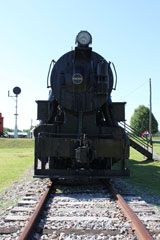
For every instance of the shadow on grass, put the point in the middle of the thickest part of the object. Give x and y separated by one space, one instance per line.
146 175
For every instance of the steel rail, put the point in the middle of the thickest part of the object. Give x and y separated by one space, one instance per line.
29 229
140 230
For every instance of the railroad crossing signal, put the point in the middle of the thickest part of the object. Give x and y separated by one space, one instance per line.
16 91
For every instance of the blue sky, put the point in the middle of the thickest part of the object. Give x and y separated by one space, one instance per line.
35 32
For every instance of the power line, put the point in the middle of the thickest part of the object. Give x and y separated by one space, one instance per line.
135 90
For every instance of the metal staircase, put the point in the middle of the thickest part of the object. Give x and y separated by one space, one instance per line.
141 144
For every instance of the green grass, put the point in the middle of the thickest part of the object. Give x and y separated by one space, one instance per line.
16 143
156 145
145 174
156 138
156 148
16 156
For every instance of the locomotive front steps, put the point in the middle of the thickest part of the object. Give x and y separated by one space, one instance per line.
141 144
140 148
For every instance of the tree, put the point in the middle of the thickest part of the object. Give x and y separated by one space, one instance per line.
27 131
140 120
6 130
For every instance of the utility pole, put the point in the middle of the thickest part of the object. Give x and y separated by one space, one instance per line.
150 109
31 123
150 114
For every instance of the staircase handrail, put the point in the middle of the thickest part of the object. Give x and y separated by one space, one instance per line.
134 134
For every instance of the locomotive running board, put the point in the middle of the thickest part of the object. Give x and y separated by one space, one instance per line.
78 173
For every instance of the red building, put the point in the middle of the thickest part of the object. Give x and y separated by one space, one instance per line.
1 124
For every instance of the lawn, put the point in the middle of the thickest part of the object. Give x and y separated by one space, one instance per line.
145 174
16 156
156 148
156 139
156 145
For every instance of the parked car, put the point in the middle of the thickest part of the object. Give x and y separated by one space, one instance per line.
145 134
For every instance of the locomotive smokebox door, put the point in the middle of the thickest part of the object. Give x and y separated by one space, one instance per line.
43 110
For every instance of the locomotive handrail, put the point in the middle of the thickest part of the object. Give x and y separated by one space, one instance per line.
52 62
115 85
134 134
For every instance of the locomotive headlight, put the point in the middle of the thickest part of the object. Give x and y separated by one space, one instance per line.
84 38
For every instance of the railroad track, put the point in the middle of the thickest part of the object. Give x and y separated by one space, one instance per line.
86 211
14 218
80 212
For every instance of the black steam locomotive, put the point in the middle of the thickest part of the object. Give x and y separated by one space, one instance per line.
78 134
